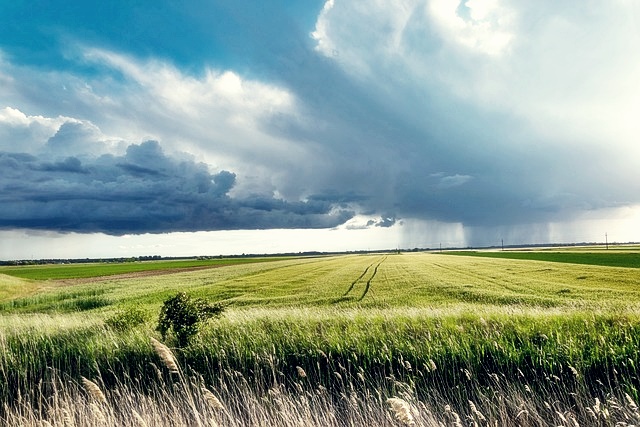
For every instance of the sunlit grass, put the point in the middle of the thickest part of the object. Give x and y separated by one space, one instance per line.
408 280
84 270
547 364
12 287
622 256
436 330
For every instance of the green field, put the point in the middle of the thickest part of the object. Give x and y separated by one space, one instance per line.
628 257
547 337
85 270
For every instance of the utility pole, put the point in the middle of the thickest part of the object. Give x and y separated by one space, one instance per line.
502 243
606 241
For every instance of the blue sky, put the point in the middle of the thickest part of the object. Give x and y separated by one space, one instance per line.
136 128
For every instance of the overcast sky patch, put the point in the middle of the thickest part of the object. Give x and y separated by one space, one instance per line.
481 116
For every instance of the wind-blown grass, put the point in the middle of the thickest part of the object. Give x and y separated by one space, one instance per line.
502 339
412 280
271 394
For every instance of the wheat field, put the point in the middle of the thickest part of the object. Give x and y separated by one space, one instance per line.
377 340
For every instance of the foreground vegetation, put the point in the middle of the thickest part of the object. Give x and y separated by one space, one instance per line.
176 394
328 341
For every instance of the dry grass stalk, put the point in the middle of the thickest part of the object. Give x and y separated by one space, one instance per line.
402 410
93 389
631 402
138 419
452 416
211 399
476 412
572 419
523 413
165 355
66 418
97 413
574 371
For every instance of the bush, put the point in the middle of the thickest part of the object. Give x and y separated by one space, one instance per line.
127 318
184 315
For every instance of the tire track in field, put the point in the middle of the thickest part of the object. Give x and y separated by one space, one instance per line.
375 271
358 279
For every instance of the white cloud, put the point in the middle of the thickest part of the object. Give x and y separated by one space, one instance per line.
528 98
57 137
27 134
487 30
225 91
568 72
374 27
219 116
321 33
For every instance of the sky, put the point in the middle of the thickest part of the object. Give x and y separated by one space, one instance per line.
223 127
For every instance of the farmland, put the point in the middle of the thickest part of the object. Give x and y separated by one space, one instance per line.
628 256
85 270
450 336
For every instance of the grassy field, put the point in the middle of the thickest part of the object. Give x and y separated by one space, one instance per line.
617 256
85 270
326 341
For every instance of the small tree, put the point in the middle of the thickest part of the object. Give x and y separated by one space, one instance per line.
183 315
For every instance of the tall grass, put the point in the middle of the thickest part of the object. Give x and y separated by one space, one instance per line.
327 367
236 399
436 340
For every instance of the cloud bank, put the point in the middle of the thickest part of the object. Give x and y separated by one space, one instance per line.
143 190
520 112
490 116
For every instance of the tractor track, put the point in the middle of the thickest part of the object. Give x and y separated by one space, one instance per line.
358 279
375 264
368 286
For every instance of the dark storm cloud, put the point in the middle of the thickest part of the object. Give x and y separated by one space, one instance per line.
432 115
143 191
484 114
70 164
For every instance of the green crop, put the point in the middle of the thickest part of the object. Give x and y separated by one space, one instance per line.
78 271
458 328
613 258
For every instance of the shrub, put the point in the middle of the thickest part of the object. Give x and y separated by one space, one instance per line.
184 315
127 318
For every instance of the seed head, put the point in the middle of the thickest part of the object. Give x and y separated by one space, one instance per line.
165 355
301 372
211 398
93 389
402 410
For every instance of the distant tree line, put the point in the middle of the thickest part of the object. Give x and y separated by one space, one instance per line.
80 260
